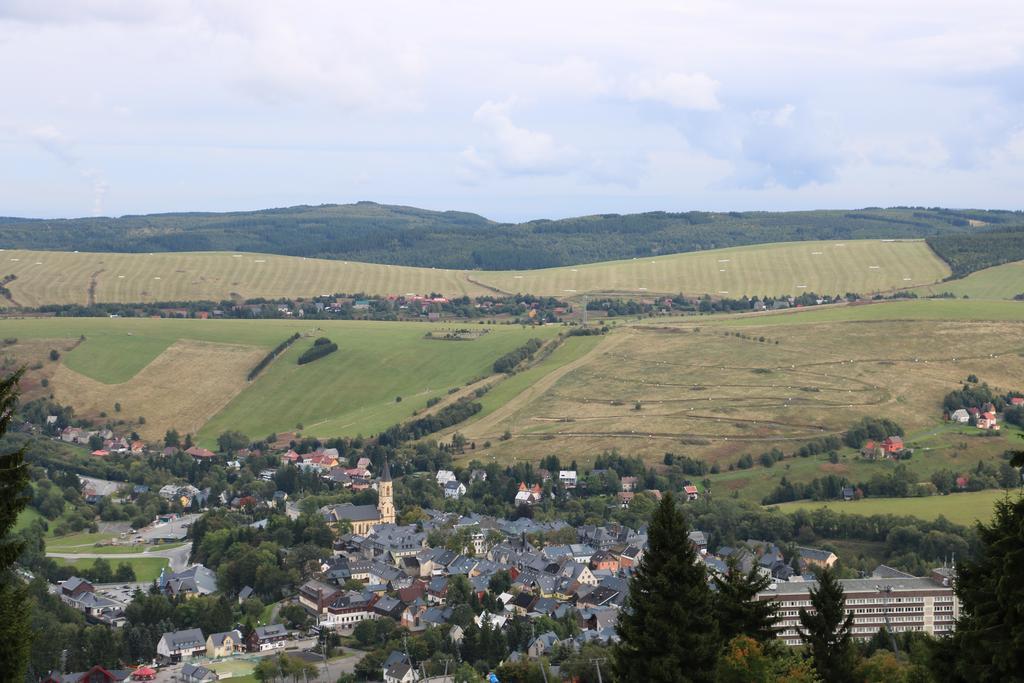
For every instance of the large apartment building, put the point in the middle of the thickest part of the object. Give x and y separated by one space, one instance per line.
911 603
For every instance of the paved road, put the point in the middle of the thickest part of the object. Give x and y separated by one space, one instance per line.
178 557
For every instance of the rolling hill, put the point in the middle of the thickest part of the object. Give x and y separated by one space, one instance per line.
863 266
398 235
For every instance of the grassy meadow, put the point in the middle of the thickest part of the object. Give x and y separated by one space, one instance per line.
960 508
864 266
191 374
146 568
1000 282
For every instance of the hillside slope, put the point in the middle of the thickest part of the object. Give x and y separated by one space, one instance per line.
863 266
398 235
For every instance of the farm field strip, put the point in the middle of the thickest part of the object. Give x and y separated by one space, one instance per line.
782 268
863 266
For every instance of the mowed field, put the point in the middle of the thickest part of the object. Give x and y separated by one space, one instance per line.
191 374
55 277
863 266
961 508
695 388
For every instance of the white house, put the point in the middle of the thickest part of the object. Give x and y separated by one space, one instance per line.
444 476
454 489
960 415
177 644
567 478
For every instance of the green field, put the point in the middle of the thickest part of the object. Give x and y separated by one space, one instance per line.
1000 282
146 568
921 309
863 266
961 508
179 373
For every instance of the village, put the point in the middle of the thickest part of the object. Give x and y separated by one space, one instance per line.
567 586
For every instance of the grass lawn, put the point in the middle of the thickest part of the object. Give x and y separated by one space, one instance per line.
235 667
146 568
25 518
80 542
961 508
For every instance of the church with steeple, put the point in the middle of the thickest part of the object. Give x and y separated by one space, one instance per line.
386 496
363 518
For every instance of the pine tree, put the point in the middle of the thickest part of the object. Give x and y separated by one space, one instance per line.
988 644
668 627
826 630
15 634
738 610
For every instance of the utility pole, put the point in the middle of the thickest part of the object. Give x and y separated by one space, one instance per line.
597 664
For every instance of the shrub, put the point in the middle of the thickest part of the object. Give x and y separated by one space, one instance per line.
320 348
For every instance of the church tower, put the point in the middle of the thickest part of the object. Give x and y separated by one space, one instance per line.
385 496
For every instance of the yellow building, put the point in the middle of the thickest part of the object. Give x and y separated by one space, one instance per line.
363 518
224 644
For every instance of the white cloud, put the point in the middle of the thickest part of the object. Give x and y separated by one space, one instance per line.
680 90
225 104
510 149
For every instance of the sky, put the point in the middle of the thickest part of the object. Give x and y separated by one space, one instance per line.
515 110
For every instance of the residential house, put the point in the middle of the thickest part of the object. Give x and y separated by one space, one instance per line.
400 672
196 580
629 483
444 476
987 420
454 490
177 644
263 638
960 415
528 496
817 557
192 673
224 644
691 492
200 454
567 478
542 644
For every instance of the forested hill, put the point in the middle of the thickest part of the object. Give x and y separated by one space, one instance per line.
401 235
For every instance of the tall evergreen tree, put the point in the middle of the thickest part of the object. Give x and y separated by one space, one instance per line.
827 630
668 627
738 610
15 634
988 644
